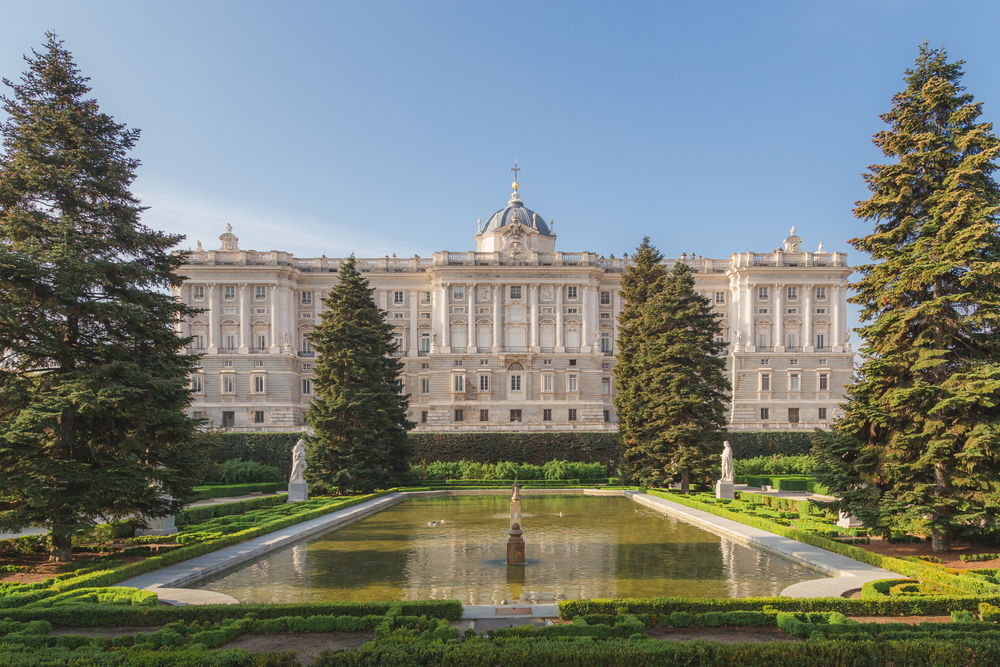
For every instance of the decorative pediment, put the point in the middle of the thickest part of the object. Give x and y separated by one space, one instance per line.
424 325
763 323
459 322
260 323
547 321
792 322
821 322
305 326
573 321
606 327
484 321
229 323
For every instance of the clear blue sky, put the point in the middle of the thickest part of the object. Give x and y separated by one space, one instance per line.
376 128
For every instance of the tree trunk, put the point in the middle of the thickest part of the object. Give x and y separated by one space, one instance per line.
940 541
685 481
62 545
940 538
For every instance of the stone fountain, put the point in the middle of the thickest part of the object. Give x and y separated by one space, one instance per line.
515 543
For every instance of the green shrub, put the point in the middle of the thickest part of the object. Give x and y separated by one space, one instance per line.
237 471
223 491
774 465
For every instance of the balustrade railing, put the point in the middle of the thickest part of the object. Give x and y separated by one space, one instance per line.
307 353
515 349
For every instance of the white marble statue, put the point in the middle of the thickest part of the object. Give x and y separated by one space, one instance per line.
739 336
727 462
286 338
298 461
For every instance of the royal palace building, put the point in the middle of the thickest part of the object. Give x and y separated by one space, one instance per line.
514 335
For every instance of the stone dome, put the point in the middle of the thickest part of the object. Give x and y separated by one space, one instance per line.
525 216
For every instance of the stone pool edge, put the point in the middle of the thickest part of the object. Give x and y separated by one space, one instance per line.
848 574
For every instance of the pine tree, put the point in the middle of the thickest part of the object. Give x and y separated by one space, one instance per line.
919 445
642 281
93 386
682 411
359 417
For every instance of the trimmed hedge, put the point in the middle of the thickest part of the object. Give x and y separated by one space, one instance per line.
63 655
225 490
273 449
112 616
535 448
526 652
206 512
751 444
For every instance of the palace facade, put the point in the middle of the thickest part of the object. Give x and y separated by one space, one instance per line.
514 335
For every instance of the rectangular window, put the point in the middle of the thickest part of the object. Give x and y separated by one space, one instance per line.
572 362
459 383
425 316
307 298
458 362
607 416
397 340
572 311
793 382
228 419
605 342
425 298
822 414
258 417
484 415
605 385
196 383
515 415
765 414
425 385
793 415
459 292
484 383
764 362
423 416
398 316
425 342
515 383
397 298
229 292
227 364
307 386
821 311
228 384
605 316
546 415
572 383
824 382
822 362
791 311
261 341
258 384
820 293
793 293
762 294
605 366
765 382
484 362
605 298
260 293
820 341
196 414
762 311
459 415
515 291
572 415
571 292
258 364
793 362
720 297
306 345
199 292
547 383
305 367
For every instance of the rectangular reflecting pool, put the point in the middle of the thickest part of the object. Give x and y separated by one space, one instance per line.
455 548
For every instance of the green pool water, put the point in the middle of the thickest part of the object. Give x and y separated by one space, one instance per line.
600 547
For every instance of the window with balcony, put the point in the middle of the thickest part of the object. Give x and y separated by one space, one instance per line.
229 292
793 293
820 293
307 298
260 292
459 292
762 294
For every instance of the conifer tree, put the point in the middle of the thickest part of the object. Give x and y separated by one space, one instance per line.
641 281
682 409
93 385
919 444
359 416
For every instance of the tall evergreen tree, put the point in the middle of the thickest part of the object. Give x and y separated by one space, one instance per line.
641 282
919 444
359 416
93 384
682 409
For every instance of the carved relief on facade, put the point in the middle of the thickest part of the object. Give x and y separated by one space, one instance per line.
546 292
484 293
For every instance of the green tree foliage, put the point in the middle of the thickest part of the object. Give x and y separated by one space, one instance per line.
642 281
680 412
359 416
920 439
93 386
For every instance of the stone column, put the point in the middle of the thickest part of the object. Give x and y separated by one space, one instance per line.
779 320
446 332
213 319
292 318
275 324
438 310
414 334
748 314
593 294
807 320
560 348
584 313
470 334
834 297
533 305
497 316
244 319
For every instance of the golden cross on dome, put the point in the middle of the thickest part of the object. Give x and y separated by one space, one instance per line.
515 169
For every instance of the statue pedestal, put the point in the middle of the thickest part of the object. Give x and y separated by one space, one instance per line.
725 490
298 492
847 521
515 546
161 526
